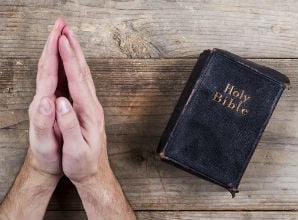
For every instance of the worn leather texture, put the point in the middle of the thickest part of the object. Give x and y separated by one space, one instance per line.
220 117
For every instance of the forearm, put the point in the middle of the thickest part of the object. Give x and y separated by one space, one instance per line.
29 196
103 198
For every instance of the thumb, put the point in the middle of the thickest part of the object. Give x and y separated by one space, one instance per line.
68 122
42 117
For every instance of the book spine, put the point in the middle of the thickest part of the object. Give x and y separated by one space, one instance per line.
194 76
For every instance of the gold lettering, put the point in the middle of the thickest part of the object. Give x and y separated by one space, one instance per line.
231 104
236 94
241 95
244 111
217 97
234 104
238 107
229 89
224 101
246 97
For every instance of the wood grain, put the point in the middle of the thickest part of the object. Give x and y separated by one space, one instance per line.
154 29
138 96
183 215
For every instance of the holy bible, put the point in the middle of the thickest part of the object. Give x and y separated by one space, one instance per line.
220 117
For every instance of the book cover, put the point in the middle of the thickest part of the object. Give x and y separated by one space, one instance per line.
220 117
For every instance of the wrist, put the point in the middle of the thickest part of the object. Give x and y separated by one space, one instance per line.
97 181
103 192
30 192
40 176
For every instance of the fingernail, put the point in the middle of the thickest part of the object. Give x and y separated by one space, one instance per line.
63 107
45 106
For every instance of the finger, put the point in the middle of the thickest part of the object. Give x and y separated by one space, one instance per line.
68 123
74 43
47 74
77 83
42 117
57 28
42 136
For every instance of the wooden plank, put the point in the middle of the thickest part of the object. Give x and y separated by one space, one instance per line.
154 29
184 215
138 97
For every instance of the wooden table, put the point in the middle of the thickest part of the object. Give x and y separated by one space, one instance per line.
140 54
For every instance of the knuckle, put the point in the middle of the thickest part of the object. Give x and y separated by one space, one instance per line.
83 78
99 119
86 68
84 74
71 58
80 79
99 109
30 109
42 123
41 126
69 125
41 63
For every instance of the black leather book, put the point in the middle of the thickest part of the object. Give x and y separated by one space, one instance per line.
220 117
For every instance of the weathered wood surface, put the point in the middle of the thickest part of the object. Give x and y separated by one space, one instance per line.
183 215
158 29
138 96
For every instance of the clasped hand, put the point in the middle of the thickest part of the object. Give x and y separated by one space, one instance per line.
64 138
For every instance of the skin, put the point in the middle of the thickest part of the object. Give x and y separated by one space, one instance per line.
65 139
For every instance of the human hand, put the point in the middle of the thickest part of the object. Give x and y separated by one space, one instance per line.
85 160
44 153
81 125
83 157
